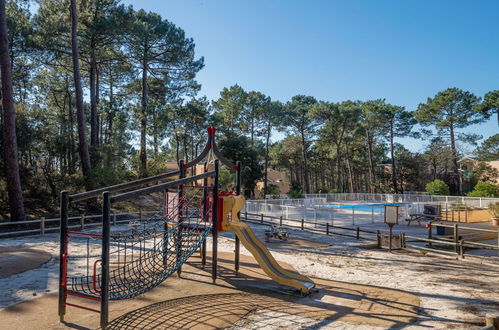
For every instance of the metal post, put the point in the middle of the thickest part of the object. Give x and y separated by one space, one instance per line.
358 233
261 219
327 229
82 222
215 224
42 226
205 211
237 242
302 223
280 221
63 251
180 206
378 238
106 229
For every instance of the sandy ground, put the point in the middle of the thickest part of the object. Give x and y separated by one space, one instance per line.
452 294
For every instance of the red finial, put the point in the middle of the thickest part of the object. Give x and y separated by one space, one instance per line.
211 130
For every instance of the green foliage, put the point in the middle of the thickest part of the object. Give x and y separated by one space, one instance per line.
437 187
294 193
237 148
272 190
484 189
494 210
489 149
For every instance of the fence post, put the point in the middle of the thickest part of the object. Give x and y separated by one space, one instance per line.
372 214
280 221
498 242
430 234
261 219
82 221
461 248
327 229
114 218
456 238
302 223
358 233
42 225
378 238
353 216
246 215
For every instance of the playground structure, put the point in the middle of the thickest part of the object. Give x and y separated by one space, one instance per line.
139 257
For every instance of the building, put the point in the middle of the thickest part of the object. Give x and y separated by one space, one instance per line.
487 170
275 178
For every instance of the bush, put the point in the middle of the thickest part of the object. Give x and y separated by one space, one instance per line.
295 193
484 189
494 210
437 187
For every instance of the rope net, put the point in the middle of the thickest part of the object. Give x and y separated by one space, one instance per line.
146 252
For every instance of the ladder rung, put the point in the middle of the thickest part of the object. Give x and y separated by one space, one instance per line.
83 307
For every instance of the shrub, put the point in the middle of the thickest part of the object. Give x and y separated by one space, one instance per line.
484 189
437 187
295 193
494 210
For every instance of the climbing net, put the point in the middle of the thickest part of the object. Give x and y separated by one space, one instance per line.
146 252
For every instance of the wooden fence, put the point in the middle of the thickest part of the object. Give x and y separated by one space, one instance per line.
48 225
457 242
315 227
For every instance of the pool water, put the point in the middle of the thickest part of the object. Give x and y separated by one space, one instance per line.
376 208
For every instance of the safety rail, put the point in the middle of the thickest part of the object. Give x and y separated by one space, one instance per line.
122 186
306 226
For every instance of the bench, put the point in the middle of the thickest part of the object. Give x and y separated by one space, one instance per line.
422 217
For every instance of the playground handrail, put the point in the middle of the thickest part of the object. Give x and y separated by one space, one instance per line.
160 187
121 186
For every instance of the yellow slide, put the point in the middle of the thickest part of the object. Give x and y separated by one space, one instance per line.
234 204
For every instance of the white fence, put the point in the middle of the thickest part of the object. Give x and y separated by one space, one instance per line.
309 211
473 202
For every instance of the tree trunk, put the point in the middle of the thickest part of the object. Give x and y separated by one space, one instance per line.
143 119
305 163
14 190
349 168
94 127
454 156
338 166
371 176
110 114
392 154
266 165
80 111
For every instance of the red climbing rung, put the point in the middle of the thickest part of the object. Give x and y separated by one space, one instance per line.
83 307
82 295
84 234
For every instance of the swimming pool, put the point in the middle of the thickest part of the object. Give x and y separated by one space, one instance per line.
376 208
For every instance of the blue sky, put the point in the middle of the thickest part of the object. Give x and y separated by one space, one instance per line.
404 51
